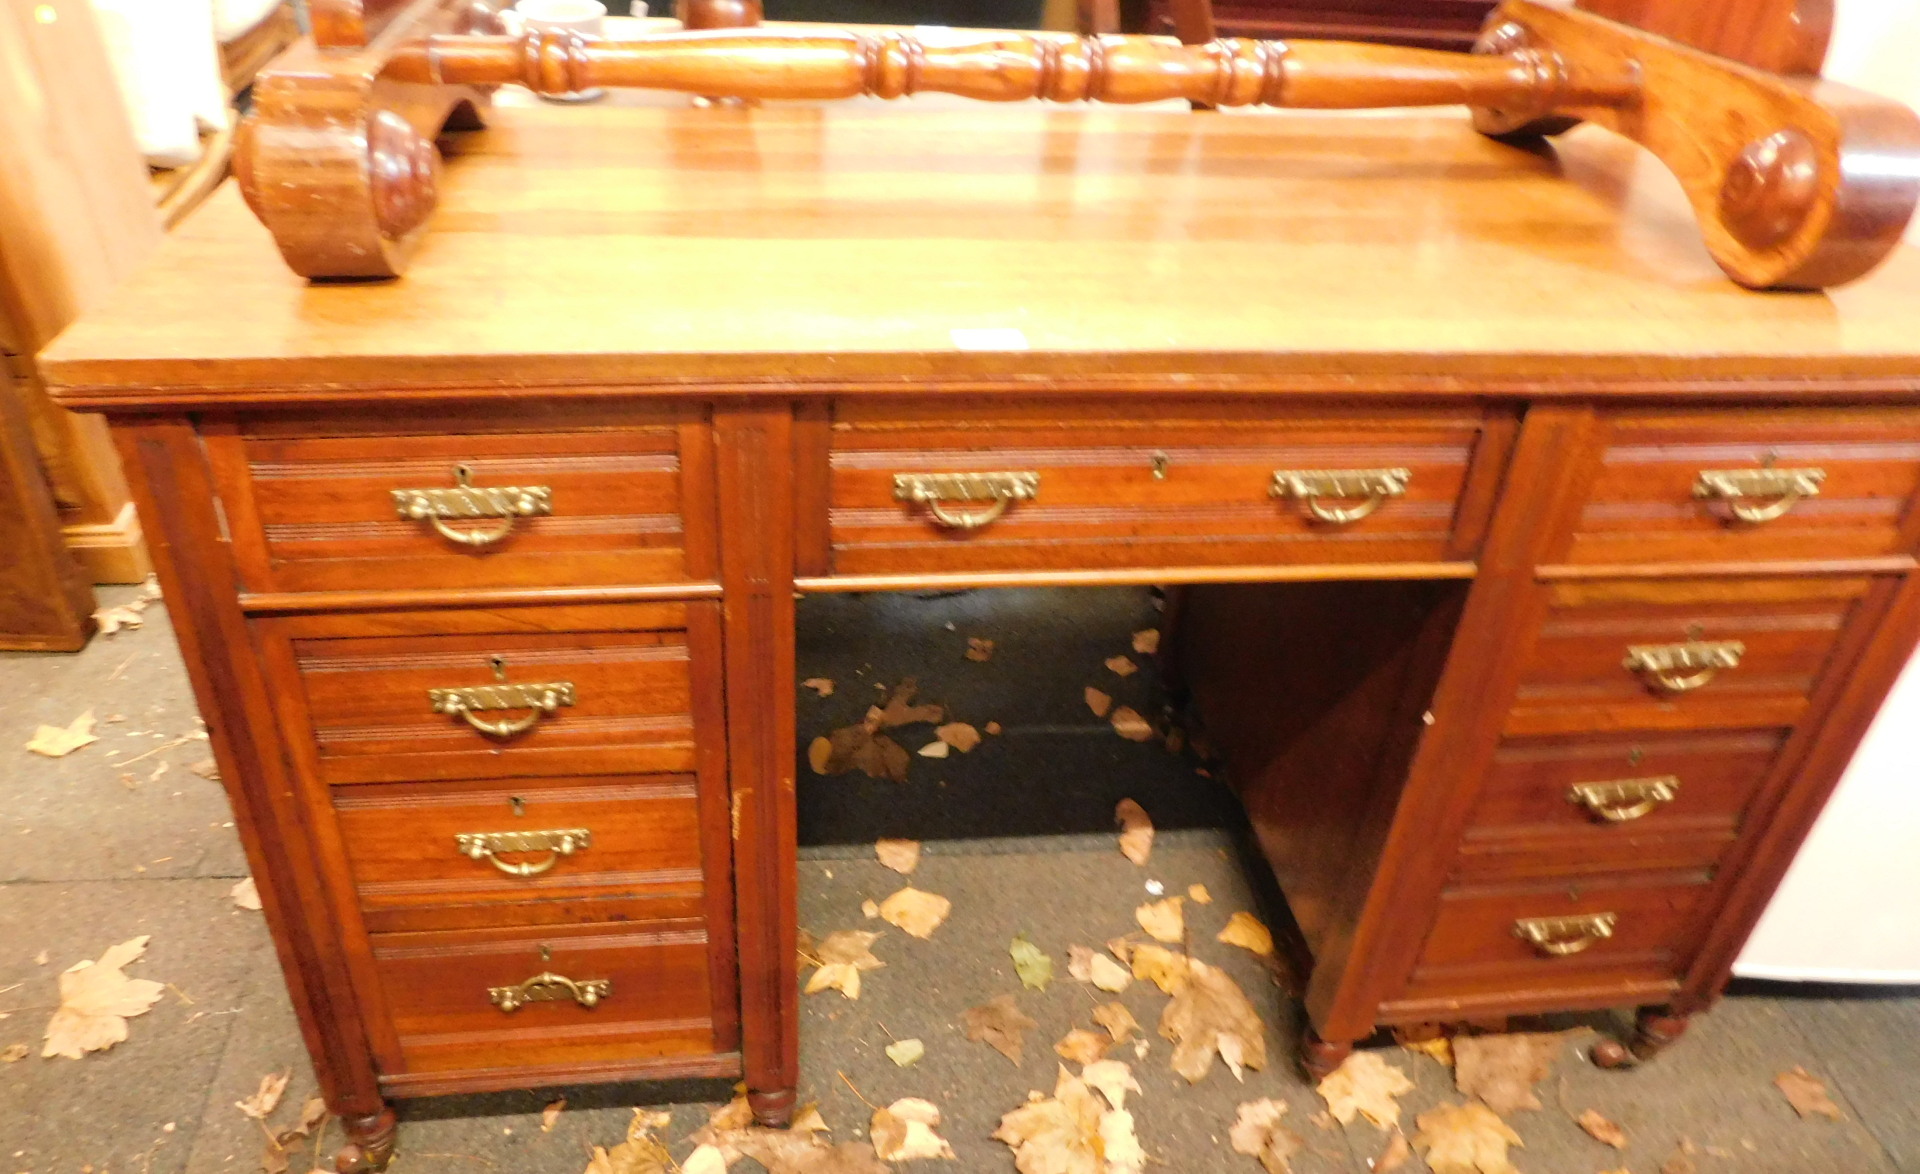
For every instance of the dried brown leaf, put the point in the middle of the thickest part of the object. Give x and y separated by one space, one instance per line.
1210 1014
550 1116
1130 725
901 711
1601 1129
1118 1021
1439 1047
1032 964
266 1098
1465 1139
246 894
1199 895
842 956
1394 1156
999 1024
1080 963
14 1053
1163 919
821 686
1081 1046
978 649
1113 1078
1058 1134
1098 702
1136 831
819 754
60 741
919 913
1121 666
97 999
126 615
1365 1085
1248 932
1164 968
859 748
1256 1131
1147 641
904 1131
1109 975
959 735
903 856
1807 1094
207 769
1679 1162
935 750
904 1052
1501 1069
706 1159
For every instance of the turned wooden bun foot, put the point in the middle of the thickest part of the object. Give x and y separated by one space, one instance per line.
1654 1030
772 1108
1318 1057
369 1143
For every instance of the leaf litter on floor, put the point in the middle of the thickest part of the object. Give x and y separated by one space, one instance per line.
1033 966
267 1097
905 1131
917 912
902 856
1001 1025
841 957
1807 1094
1501 1069
1136 831
60 741
1074 1131
1248 932
1163 920
1082 1046
96 1000
1465 1139
1210 1015
1257 1132
1365 1085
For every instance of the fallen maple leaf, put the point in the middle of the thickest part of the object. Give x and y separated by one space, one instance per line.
900 710
1113 1078
905 1052
1118 1145
903 856
1098 702
1164 968
1058 1134
58 742
1130 725
637 1155
904 1131
959 735
1109 975
1030 963
1365 1084
1807 1094
1198 895
978 649
919 913
842 956
1082 1046
1080 963
550 1116
112 619
1256 1131
1136 831
1394 1156
1118 1021
999 1024
820 685
1248 932
1601 1129
97 999
859 747
246 894
706 1159
1465 1139
1121 666
1163 919
267 1098
1210 1014
1439 1047
1501 1069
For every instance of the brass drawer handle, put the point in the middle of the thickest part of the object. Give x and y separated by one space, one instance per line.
548 987
1777 490
1560 936
488 846
1677 668
1370 486
938 492
1623 800
467 500
470 700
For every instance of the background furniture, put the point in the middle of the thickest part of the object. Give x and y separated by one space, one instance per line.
661 481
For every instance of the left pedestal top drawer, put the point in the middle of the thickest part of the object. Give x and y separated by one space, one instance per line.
315 505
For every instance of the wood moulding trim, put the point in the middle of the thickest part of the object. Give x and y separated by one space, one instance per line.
110 552
301 602
1131 576
266 382
722 1065
1889 565
1601 996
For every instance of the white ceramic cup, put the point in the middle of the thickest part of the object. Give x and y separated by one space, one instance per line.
586 17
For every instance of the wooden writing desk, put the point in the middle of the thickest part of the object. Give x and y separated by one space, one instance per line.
701 345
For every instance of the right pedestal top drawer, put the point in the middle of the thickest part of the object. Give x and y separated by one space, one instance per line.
1747 485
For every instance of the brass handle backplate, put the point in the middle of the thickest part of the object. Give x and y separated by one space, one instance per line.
1560 936
1677 668
1758 495
469 701
1313 488
467 500
489 846
1624 800
965 501
548 987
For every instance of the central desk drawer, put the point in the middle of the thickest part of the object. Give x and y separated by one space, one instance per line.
1680 653
935 489
341 506
538 691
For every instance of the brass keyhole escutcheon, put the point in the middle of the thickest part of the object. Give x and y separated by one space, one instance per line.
518 804
1159 466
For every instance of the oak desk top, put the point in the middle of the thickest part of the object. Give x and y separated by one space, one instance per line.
668 246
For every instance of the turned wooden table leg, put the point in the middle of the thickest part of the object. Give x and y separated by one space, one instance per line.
369 1143
1319 1057
1654 1030
772 1108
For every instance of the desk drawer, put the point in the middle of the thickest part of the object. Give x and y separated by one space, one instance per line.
1769 638
648 984
538 691
1642 928
1583 804
1658 491
522 851
379 507
1193 485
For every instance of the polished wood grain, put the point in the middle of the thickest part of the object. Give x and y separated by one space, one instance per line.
45 602
1429 24
1785 36
1189 486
